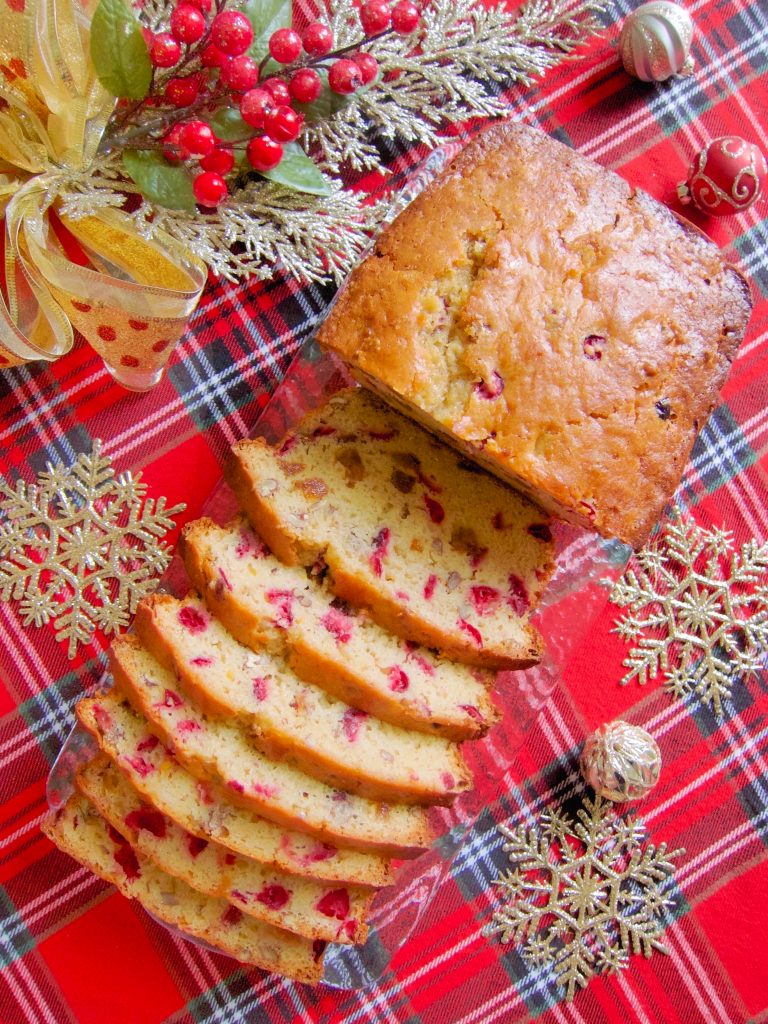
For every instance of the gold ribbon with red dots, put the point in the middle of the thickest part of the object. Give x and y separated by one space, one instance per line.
129 296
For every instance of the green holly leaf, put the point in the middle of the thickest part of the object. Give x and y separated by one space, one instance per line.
298 172
119 53
229 125
326 104
266 16
329 102
166 184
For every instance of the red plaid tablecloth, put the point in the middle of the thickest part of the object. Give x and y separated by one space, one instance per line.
71 949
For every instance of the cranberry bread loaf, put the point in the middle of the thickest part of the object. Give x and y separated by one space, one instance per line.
266 604
299 905
78 830
292 720
439 551
206 811
573 347
214 749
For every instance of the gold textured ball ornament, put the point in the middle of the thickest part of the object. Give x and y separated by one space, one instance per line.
621 762
655 41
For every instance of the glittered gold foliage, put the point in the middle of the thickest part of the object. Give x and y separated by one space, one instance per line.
584 894
697 611
81 547
64 149
452 68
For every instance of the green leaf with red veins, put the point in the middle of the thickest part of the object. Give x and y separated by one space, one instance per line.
298 172
118 50
266 16
157 180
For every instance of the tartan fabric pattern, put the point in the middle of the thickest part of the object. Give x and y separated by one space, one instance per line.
72 950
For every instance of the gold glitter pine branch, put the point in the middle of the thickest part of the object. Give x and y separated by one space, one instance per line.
450 69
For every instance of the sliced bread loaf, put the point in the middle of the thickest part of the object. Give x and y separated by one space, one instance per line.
212 748
205 809
290 719
438 550
78 830
301 905
267 604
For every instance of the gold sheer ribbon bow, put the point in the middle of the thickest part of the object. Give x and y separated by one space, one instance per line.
132 301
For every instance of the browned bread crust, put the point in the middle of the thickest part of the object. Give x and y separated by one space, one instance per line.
562 328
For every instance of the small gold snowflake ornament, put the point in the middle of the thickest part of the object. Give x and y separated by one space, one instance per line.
698 611
81 547
582 895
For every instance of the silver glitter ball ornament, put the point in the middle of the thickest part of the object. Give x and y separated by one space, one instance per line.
621 762
655 41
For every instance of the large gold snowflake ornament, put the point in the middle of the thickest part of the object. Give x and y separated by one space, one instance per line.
698 611
81 547
582 895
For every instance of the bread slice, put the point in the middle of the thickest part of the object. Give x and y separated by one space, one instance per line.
214 749
267 604
78 830
206 811
574 345
439 551
301 905
292 720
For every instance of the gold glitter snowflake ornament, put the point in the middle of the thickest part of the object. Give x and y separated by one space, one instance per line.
582 895
698 611
81 547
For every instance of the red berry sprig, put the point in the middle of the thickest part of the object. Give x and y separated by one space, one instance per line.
182 92
187 24
203 64
165 51
405 17
239 73
317 39
367 65
209 188
232 33
278 90
375 17
285 45
255 105
345 77
221 161
264 154
305 85
197 138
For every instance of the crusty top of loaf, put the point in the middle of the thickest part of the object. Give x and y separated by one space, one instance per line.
566 326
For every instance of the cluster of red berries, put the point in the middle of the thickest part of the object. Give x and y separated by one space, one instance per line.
220 44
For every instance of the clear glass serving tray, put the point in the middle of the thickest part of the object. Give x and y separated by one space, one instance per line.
571 602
